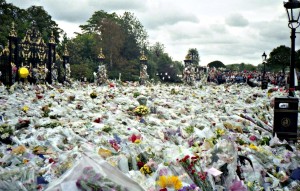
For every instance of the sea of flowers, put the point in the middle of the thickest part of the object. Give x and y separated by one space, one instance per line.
159 137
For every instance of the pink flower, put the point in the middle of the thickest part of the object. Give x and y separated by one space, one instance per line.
253 138
151 163
237 185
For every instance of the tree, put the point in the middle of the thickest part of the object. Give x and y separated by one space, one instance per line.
44 22
133 27
157 49
113 40
109 32
279 58
23 20
193 52
8 14
216 64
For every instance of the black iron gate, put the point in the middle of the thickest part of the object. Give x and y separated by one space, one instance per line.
30 52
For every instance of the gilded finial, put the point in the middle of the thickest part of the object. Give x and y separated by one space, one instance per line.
188 57
143 57
101 55
5 51
13 32
52 39
66 52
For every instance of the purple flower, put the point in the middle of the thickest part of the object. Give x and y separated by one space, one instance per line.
237 185
163 172
191 141
191 187
117 138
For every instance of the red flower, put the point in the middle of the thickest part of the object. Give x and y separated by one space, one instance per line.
111 85
134 137
202 175
140 164
114 145
98 120
51 160
39 96
163 189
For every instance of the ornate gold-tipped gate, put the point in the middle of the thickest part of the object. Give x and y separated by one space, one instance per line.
31 52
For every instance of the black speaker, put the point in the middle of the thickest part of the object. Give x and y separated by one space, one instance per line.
264 84
286 118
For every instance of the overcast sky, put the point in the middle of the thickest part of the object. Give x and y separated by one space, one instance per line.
231 31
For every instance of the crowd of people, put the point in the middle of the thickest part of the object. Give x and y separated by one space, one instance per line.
221 77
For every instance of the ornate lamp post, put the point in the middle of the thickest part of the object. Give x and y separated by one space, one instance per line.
51 57
187 60
264 82
101 75
143 70
293 11
286 109
65 61
188 73
13 54
101 57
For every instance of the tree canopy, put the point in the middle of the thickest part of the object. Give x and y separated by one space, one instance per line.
216 64
23 19
279 58
194 55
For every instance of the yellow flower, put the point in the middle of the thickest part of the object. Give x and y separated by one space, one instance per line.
19 150
146 169
169 181
141 110
249 184
252 146
104 153
137 141
162 181
25 108
220 131
25 161
176 182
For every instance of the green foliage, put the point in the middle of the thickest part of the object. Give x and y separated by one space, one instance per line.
279 57
243 66
107 128
216 64
82 70
193 52
23 20
136 94
190 129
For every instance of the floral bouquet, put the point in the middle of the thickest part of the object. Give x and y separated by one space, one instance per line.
192 165
93 95
22 123
168 182
92 181
141 110
71 98
5 132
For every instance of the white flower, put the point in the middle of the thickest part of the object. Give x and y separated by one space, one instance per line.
4 136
